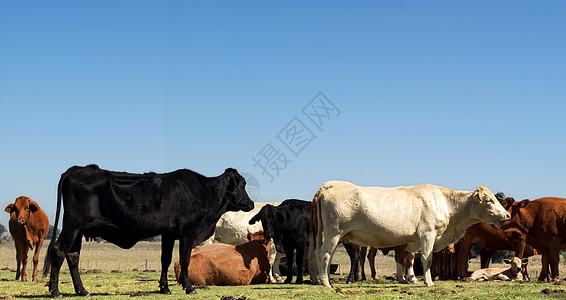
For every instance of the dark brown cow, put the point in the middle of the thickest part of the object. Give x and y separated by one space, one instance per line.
28 225
224 264
542 221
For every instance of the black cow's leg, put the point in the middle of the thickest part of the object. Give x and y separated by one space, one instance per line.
167 244
354 254
362 260
185 248
290 254
300 259
57 256
73 262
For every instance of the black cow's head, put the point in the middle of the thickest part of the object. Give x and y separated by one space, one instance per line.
236 195
268 217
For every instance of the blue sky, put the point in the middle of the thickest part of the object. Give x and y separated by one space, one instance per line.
455 94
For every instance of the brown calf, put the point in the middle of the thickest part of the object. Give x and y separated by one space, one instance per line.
28 225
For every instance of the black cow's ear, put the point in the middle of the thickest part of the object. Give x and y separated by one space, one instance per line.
231 170
33 206
254 219
9 208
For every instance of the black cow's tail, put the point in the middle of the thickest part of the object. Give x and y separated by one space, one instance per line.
47 263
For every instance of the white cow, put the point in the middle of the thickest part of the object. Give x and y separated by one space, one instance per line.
505 274
233 228
425 217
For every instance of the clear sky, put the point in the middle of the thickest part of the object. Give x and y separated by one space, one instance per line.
450 93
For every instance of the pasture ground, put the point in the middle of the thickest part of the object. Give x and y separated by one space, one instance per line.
109 272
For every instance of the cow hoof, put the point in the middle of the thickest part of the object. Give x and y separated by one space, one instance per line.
190 291
299 281
82 292
165 290
288 281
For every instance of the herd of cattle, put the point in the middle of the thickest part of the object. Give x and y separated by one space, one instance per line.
230 241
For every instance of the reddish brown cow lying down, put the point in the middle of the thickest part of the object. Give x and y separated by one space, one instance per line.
223 264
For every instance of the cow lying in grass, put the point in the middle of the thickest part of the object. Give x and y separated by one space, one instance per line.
233 228
223 264
513 273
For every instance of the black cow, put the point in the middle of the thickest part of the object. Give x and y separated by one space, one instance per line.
288 225
124 208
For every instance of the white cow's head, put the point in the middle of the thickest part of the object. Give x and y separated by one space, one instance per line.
487 208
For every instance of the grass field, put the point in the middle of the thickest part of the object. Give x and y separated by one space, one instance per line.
109 272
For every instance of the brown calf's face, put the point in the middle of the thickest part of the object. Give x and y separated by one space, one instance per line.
519 206
21 210
507 203
258 236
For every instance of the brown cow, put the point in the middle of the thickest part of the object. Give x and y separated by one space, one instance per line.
542 221
28 225
223 264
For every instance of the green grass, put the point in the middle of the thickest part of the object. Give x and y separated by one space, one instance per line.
107 284
124 285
